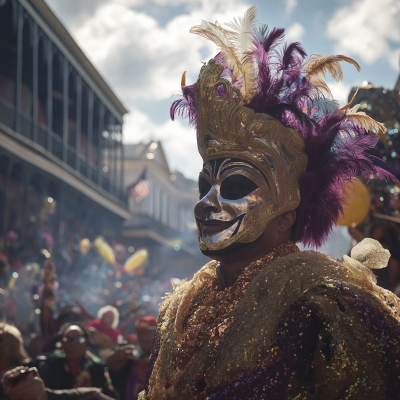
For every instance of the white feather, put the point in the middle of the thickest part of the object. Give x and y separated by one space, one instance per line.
242 30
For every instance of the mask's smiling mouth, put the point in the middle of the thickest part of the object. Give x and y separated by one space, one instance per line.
211 226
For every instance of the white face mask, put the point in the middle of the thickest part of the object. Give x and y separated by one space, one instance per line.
231 192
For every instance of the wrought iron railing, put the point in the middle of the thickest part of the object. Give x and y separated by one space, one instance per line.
41 135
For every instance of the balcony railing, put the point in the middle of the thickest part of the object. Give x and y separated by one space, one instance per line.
41 135
143 221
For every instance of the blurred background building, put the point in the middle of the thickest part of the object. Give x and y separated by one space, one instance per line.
61 152
161 204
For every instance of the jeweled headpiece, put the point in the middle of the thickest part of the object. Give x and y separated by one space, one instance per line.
273 109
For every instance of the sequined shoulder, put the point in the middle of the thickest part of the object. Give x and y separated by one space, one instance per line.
345 301
185 290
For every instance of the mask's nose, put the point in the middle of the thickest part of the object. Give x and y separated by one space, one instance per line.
208 204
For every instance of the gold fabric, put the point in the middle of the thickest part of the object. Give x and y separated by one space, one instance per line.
227 129
308 277
207 317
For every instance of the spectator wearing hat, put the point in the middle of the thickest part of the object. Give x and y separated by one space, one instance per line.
128 365
105 326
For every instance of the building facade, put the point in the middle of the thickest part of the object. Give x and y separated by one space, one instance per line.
162 222
60 134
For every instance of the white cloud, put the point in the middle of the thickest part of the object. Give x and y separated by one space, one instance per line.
340 91
290 5
178 140
140 58
295 31
365 29
144 61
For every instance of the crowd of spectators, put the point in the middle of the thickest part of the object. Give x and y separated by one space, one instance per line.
74 331
84 360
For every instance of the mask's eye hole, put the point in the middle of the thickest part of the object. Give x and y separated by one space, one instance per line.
204 187
235 187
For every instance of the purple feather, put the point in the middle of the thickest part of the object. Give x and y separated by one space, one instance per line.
273 39
184 106
289 58
336 154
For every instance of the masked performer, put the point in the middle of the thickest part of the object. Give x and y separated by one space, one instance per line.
264 320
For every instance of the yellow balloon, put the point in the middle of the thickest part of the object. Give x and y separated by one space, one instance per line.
136 260
11 283
358 205
104 250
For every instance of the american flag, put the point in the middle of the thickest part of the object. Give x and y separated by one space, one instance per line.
141 188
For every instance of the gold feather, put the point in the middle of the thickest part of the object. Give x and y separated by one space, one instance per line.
345 107
368 123
321 65
321 84
221 37
183 80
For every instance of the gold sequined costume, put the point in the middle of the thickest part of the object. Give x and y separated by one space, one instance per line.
307 327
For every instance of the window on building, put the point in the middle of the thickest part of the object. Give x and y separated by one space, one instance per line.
26 89
156 203
83 143
172 214
72 108
118 157
111 152
150 200
181 217
164 210
42 101
8 51
105 150
95 130
57 93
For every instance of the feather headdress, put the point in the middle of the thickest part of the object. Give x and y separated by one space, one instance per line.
290 87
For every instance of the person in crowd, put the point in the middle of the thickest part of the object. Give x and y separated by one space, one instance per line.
128 365
23 383
12 352
73 366
105 326
20 380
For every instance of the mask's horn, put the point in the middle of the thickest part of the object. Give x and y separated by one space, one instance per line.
183 80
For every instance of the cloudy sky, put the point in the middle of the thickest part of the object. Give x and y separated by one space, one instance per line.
142 47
